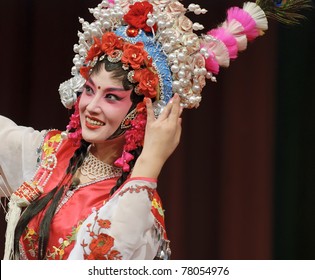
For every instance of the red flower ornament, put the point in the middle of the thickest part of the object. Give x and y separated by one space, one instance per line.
141 107
148 82
85 72
138 14
111 42
95 50
134 54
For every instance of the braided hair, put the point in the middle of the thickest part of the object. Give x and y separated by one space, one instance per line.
53 197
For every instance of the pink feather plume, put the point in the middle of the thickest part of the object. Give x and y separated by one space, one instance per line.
227 38
212 64
246 20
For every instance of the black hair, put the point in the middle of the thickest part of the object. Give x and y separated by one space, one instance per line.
52 199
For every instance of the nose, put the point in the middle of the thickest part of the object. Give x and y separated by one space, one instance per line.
93 106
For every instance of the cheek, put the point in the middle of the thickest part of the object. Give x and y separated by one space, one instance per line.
124 108
82 105
117 112
83 102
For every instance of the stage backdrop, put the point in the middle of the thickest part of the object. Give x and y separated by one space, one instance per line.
241 183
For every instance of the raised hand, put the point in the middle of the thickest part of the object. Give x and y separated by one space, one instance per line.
162 136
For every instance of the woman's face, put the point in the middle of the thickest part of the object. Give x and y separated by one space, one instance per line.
103 105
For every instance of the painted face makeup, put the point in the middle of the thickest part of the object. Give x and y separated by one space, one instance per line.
103 105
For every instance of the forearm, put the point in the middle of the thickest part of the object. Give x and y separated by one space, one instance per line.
18 155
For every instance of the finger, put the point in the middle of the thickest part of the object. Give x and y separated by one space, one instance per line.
178 131
176 109
150 113
179 126
181 110
166 111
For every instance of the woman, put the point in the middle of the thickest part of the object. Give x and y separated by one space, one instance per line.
93 193
103 106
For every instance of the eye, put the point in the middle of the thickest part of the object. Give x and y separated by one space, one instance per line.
112 97
88 90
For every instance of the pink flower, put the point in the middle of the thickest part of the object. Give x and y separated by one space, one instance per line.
124 160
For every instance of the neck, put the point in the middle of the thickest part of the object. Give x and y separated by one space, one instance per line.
110 150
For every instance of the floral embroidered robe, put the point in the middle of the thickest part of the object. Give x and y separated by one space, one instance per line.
88 224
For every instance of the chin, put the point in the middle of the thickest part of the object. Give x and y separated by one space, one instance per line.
92 138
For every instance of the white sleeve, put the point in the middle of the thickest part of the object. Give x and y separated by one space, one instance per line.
18 154
124 228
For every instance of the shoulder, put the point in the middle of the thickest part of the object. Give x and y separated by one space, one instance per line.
55 142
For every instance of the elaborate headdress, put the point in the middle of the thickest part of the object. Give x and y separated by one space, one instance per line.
155 37
159 46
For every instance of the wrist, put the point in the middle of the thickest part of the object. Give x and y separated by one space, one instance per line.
147 166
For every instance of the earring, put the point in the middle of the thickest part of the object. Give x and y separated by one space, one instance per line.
126 123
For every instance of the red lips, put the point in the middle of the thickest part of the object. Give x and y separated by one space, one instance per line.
93 126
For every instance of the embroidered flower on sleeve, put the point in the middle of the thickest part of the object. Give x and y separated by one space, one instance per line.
104 223
157 205
137 189
114 255
101 244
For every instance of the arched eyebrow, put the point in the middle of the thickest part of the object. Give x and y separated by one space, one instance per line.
114 89
111 89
